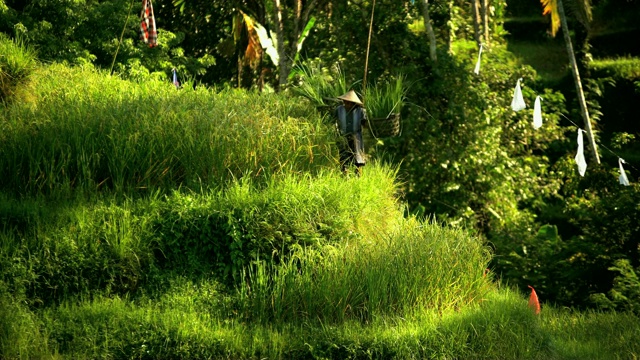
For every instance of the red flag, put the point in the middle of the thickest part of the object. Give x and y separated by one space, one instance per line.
533 301
148 32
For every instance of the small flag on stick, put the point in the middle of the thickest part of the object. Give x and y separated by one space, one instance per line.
623 176
517 103
537 114
580 160
477 69
175 78
534 304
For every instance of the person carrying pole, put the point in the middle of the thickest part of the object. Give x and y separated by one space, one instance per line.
350 117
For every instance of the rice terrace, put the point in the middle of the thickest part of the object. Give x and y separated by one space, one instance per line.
319 179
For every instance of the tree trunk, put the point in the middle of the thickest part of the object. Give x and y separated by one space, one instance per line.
449 30
576 77
429 29
287 52
485 20
283 74
475 11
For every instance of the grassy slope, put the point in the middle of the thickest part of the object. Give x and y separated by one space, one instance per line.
108 221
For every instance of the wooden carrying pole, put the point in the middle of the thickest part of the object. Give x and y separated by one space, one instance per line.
121 36
366 60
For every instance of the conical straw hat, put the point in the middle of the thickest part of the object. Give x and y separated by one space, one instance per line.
351 96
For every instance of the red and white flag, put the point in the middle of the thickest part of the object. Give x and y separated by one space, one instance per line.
148 32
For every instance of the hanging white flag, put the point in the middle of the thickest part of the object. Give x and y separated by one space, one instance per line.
582 163
537 114
477 69
517 103
623 176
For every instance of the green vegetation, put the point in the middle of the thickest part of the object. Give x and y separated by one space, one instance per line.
17 63
138 220
621 68
169 138
320 86
547 56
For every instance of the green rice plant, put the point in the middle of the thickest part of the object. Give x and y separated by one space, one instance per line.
591 334
418 267
21 335
223 231
386 98
89 132
17 63
617 68
76 248
321 86
184 322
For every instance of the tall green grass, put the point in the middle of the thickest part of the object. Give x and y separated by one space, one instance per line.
17 63
418 267
89 132
186 322
141 222
52 250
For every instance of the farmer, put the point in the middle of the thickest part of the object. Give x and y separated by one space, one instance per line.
350 117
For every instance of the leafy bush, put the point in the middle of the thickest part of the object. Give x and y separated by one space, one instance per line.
625 292
577 258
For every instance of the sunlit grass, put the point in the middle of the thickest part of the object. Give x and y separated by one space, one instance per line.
90 132
139 221
624 68
416 268
17 63
547 56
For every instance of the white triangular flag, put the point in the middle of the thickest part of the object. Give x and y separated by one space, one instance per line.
623 176
537 114
582 163
517 103
477 69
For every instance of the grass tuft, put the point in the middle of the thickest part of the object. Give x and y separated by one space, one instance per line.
17 64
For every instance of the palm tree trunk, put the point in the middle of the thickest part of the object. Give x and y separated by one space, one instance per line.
430 34
576 77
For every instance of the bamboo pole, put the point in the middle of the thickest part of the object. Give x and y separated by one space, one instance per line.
578 83
121 36
366 61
